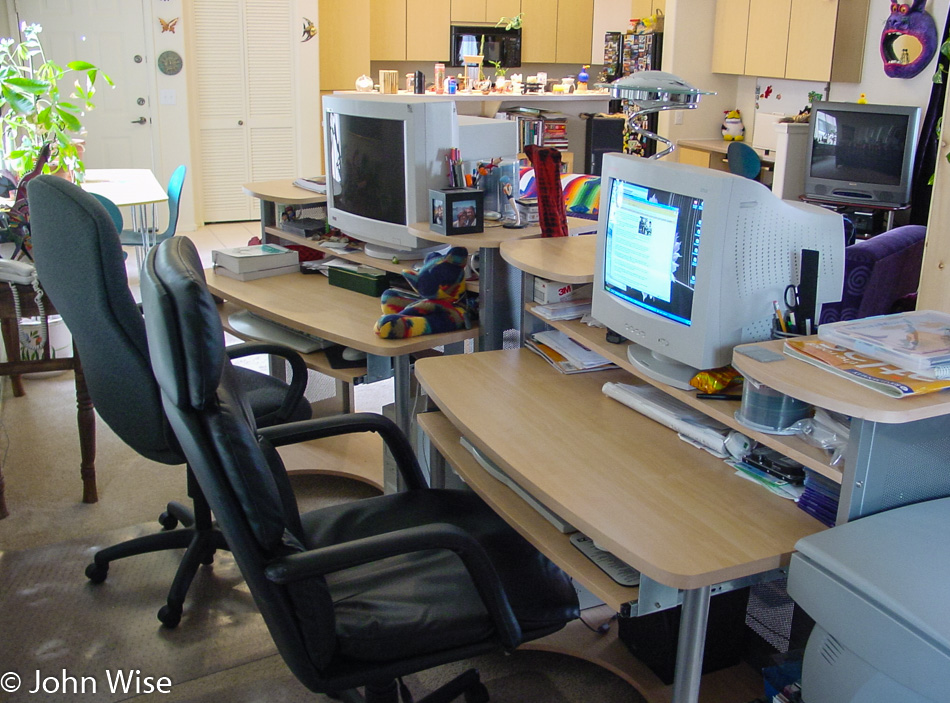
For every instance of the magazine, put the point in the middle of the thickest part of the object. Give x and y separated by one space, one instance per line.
875 374
918 341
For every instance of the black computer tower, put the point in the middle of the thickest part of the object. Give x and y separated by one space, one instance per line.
604 135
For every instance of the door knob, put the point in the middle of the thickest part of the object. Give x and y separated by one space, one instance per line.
240 123
140 120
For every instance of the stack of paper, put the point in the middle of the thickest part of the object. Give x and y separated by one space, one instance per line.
566 355
318 184
567 310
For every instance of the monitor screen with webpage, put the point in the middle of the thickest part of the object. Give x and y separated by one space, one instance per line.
385 152
861 153
690 259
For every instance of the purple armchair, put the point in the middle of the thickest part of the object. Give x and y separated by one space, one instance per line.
880 274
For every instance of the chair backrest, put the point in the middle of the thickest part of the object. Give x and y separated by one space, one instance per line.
113 211
878 272
175 185
244 481
80 263
743 161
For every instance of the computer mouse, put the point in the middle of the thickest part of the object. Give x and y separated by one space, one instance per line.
351 354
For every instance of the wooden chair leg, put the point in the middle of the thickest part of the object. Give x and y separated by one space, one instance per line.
11 344
86 420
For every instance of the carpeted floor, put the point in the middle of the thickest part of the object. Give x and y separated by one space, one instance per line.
52 620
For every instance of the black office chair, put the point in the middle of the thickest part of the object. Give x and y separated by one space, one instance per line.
743 160
81 264
356 594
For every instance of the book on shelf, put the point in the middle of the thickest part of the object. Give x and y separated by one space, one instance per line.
563 310
918 341
254 258
881 376
318 184
260 273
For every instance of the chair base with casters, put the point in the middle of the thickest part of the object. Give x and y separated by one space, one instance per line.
358 594
80 262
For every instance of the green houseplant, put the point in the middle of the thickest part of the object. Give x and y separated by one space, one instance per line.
36 109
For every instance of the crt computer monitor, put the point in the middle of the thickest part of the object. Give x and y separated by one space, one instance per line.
384 153
861 153
690 259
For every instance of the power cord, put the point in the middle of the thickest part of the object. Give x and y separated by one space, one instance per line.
601 629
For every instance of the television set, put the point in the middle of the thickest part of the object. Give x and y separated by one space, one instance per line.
383 153
861 153
690 260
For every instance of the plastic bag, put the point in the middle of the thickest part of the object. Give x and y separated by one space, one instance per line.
827 430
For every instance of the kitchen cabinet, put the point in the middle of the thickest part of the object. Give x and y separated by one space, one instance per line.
427 30
817 40
387 30
570 22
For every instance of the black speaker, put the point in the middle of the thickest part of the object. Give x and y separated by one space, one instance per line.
604 135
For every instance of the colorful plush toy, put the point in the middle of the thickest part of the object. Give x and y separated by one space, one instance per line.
440 302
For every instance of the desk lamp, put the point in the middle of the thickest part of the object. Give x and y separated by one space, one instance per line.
654 91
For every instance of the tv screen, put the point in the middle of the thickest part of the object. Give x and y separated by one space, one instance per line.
861 153
653 249
367 175
856 146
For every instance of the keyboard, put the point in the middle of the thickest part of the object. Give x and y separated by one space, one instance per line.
560 523
247 323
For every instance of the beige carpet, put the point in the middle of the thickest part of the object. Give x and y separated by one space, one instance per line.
52 619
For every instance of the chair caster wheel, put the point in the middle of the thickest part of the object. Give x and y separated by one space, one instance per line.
169 617
208 560
97 573
167 521
477 694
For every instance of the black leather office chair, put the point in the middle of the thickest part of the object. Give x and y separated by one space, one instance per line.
356 594
81 265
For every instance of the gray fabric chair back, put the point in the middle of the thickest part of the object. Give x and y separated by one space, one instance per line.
80 264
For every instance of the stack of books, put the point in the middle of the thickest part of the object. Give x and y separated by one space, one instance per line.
555 131
899 355
820 497
252 262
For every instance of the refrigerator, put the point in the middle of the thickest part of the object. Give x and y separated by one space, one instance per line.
625 54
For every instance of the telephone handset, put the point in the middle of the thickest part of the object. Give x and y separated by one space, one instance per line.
17 272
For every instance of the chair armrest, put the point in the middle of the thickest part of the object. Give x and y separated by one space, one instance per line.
298 370
319 562
305 430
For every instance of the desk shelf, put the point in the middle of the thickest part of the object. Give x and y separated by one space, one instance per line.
720 410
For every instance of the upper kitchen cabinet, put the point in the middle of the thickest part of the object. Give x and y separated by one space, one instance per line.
344 54
490 11
427 30
569 21
387 30
818 40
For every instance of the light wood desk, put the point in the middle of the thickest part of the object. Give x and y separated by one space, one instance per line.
282 191
676 513
497 305
311 304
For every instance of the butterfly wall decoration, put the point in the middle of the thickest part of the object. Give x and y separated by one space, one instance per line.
169 25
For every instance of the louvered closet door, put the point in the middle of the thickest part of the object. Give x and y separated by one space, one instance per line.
245 70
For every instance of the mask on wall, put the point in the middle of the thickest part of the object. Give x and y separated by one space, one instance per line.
909 40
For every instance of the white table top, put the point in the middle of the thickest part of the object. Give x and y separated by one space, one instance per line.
125 186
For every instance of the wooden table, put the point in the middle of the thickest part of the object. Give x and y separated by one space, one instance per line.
310 303
130 187
86 418
676 513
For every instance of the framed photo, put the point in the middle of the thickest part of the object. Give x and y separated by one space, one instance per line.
456 211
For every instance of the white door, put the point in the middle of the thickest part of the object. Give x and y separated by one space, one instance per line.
245 64
110 34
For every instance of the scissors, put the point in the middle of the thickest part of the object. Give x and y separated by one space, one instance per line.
791 298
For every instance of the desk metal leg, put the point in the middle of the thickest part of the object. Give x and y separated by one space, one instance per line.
689 648
494 303
401 391
268 216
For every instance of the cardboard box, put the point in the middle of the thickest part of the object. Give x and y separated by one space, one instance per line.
546 292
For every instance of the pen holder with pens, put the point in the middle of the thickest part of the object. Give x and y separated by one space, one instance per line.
456 211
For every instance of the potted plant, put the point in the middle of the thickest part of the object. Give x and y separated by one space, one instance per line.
35 110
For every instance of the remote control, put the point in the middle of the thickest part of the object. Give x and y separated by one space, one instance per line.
619 571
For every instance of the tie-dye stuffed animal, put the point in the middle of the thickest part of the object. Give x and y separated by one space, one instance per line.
439 304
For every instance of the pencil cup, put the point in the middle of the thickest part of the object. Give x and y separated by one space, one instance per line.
389 82
778 333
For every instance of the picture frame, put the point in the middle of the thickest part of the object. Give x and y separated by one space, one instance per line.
457 211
